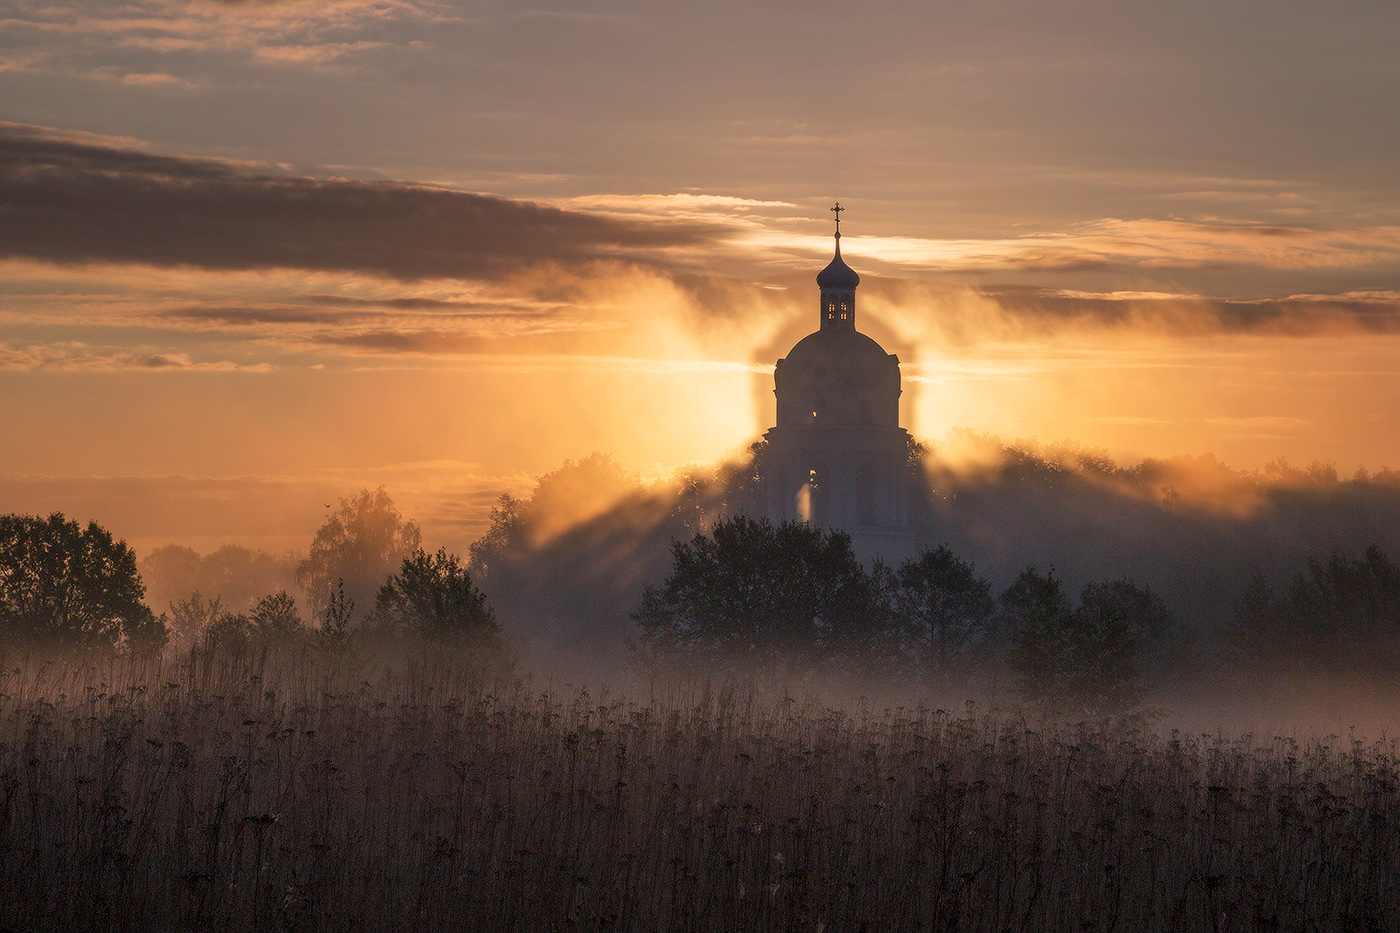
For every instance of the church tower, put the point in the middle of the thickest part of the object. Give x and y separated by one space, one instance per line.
837 456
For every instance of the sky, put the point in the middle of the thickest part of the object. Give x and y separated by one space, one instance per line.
257 255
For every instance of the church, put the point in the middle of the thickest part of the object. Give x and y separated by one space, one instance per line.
838 456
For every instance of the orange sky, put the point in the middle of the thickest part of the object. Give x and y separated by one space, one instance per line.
254 256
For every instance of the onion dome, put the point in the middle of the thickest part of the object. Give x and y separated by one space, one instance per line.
837 274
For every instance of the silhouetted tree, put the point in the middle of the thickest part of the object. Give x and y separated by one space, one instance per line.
229 633
191 617
1256 626
235 575
66 585
359 545
275 619
1084 660
506 536
945 610
1344 614
433 595
773 601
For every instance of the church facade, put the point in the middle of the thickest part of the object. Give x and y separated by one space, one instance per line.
837 456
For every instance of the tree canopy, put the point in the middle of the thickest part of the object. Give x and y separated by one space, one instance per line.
433 595
1085 659
361 543
67 585
771 600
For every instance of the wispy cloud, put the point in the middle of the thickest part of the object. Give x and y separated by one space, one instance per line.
79 357
102 41
1147 244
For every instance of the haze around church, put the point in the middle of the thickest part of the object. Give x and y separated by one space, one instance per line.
256 255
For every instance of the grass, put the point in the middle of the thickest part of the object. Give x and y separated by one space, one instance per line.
312 792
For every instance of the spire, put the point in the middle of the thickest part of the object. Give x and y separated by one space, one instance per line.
838 283
837 274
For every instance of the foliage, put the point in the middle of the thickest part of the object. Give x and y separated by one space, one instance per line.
65 585
276 620
235 575
945 610
774 601
561 499
433 595
191 617
359 545
1083 660
334 632
1340 616
505 535
229 632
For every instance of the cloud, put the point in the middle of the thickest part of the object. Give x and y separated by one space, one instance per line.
1152 245
82 39
79 357
72 201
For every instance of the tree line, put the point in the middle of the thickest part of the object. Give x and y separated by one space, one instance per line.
368 577
785 602
789 602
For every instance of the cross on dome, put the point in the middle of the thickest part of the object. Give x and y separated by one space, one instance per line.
837 211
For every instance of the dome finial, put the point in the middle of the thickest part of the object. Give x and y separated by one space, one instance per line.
837 274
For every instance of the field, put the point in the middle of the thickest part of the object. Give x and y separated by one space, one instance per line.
323 793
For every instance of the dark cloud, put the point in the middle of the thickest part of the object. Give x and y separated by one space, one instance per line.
71 200
255 314
386 341
1301 315
404 304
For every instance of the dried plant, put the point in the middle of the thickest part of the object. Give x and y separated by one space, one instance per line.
320 790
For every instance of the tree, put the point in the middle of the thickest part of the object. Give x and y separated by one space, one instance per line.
778 602
191 617
1043 633
434 596
275 619
945 610
236 575
1083 660
1345 614
66 585
361 544
506 536
1256 628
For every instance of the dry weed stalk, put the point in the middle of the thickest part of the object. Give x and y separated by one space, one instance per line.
322 792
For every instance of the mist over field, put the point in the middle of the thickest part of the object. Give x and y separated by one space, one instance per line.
564 568
380 536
